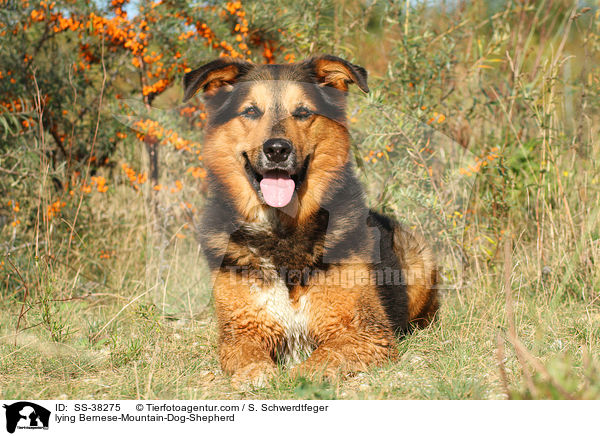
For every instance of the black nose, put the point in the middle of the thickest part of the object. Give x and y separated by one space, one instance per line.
277 149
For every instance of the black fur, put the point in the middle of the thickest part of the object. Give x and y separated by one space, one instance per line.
342 228
223 105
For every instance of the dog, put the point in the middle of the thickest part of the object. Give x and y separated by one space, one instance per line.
303 271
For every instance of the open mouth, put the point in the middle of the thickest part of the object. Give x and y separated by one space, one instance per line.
275 186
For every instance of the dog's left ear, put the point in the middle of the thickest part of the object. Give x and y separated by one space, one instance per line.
339 73
213 76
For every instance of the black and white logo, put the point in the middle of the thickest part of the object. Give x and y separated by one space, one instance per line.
26 415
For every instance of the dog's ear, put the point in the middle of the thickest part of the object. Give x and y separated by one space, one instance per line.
214 75
337 72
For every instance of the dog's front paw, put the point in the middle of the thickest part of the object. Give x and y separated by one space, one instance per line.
316 370
256 374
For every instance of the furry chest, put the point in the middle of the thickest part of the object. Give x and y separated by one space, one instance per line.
292 317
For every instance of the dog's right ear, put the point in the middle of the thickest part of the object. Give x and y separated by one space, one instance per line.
213 76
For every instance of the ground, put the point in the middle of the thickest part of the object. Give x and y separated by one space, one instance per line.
121 348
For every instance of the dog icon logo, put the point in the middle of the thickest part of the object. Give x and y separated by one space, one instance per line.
26 415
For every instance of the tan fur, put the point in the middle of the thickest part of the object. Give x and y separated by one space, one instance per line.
219 78
224 146
421 276
336 74
336 319
339 305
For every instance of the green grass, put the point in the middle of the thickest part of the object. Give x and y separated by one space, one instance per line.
116 347
105 300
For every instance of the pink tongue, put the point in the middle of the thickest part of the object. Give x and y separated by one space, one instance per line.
277 189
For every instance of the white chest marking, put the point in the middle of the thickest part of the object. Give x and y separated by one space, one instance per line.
276 302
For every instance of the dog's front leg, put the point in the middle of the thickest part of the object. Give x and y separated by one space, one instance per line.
349 325
246 360
247 335
347 353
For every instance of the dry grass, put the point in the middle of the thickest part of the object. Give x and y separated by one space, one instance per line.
95 304
134 337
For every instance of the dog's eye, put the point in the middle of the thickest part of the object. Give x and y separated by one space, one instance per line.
302 113
251 112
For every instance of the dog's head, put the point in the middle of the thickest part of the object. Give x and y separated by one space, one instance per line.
276 134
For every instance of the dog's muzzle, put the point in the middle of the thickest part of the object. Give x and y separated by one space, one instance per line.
276 175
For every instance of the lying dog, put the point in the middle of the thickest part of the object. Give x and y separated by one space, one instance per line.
301 266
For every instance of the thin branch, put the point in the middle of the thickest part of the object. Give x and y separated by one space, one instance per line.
25 295
87 170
